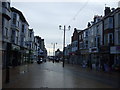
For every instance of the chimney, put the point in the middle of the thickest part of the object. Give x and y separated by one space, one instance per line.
75 29
89 24
107 11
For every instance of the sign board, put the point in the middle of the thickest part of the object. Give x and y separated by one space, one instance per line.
15 47
115 50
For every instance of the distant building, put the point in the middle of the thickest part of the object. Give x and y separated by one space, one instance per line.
39 46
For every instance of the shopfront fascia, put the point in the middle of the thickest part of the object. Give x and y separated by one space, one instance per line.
115 50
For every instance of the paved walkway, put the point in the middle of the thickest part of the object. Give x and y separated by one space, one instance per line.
71 72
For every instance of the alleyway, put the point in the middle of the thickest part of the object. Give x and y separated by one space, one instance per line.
53 75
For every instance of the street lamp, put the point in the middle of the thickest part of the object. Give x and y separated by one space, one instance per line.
53 50
60 27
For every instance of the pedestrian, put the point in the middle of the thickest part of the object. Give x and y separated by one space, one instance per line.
97 66
90 65
102 64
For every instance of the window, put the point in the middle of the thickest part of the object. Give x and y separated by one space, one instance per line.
4 4
13 36
105 39
23 28
105 24
111 22
110 38
108 23
97 29
95 42
18 23
98 41
6 32
22 41
86 44
86 33
6 29
14 18
30 34
16 40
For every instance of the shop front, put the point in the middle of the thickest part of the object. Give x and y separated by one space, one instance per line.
106 58
94 57
15 55
115 51
85 55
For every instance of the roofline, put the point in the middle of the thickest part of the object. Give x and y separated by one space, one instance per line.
20 13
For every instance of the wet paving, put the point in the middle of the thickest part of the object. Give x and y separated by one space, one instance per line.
53 75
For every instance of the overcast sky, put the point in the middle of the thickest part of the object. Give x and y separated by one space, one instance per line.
45 17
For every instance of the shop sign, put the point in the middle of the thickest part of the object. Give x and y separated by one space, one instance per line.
115 50
90 50
27 51
104 49
94 50
85 51
15 47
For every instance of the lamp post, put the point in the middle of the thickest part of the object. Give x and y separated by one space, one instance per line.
64 28
54 50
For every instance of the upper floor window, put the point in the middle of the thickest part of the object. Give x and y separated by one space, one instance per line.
110 38
6 31
97 29
79 37
86 33
98 41
105 39
108 23
30 34
13 36
23 28
86 44
6 5
95 42
17 33
14 18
